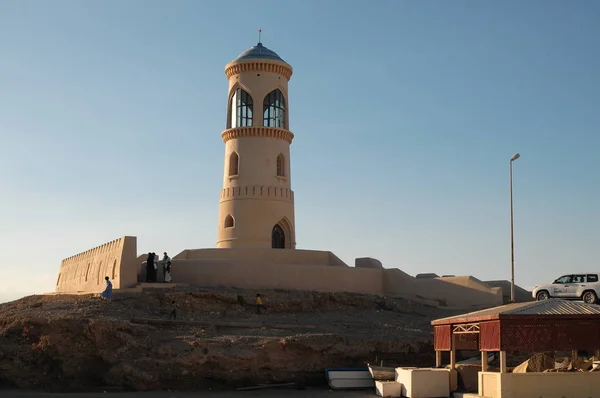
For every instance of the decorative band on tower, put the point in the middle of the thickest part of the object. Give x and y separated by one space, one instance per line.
266 132
235 68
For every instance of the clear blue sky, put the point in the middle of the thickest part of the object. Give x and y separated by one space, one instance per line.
405 116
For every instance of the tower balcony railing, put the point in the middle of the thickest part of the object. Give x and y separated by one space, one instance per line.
257 131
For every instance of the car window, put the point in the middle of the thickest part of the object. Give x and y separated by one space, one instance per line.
564 279
592 278
578 278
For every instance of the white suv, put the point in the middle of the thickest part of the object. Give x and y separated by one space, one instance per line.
584 287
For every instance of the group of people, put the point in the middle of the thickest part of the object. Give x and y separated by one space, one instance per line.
152 264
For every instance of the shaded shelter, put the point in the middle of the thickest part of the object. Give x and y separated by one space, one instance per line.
551 325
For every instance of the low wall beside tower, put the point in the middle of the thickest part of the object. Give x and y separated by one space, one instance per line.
292 269
323 271
279 256
85 272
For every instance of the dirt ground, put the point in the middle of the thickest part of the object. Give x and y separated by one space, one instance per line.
358 315
308 393
80 343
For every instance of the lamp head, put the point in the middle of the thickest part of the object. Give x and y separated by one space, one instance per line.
515 157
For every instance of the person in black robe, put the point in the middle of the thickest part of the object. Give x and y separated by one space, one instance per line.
150 271
154 267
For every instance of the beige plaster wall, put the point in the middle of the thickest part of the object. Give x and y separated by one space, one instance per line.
86 271
265 274
311 270
539 385
368 262
279 256
257 165
459 292
255 210
521 295
270 269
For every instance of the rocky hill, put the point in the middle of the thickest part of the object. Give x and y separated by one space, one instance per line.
78 342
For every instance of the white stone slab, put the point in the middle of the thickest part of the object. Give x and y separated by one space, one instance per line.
388 389
424 382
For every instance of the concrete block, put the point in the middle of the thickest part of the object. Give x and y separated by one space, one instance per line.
466 395
388 389
424 382
399 369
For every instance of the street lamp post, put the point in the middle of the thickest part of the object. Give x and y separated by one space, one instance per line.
512 236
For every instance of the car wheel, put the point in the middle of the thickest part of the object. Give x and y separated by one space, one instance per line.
590 297
542 295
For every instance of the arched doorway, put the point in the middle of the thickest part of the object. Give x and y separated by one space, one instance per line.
277 237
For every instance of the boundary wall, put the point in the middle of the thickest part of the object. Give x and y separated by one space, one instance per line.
85 272
279 256
521 295
323 271
271 269
264 274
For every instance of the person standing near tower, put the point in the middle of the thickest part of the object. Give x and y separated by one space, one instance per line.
150 271
256 208
166 267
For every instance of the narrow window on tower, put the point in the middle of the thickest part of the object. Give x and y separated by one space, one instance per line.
229 222
274 110
234 164
280 166
241 109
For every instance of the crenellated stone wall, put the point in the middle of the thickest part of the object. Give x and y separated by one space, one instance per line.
85 272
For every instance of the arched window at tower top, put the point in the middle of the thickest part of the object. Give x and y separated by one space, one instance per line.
274 110
240 109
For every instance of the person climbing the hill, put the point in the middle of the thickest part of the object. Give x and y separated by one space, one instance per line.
173 314
107 293
259 303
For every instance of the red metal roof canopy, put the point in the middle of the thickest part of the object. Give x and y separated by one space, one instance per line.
550 325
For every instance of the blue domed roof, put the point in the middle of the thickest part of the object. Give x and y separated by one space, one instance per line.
259 51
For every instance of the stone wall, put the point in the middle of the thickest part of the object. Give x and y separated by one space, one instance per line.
85 272
279 256
276 269
271 269
266 274
456 292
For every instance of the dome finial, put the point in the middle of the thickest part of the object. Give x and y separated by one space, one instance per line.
259 33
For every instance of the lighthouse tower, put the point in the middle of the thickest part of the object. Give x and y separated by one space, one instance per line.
256 208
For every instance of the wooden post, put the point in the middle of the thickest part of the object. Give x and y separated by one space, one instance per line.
438 359
597 355
484 361
502 361
574 357
453 351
